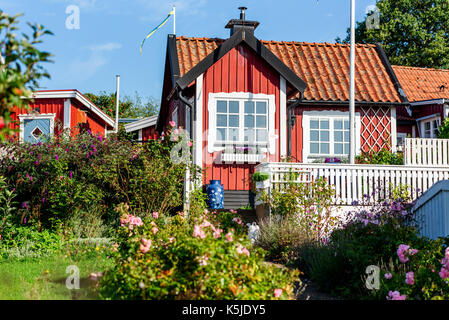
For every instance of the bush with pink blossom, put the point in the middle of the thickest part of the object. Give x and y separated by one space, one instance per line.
190 258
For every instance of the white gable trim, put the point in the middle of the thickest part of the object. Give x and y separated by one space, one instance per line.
393 129
67 116
141 124
74 94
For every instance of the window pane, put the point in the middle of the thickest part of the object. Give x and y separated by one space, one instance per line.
262 135
261 107
222 106
249 106
338 148
233 134
324 148
346 136
233 107
314 124
338 136
347 125
427 125
221 120
346 148
314 148
221 134
338 124
324 136
261 121
249 134
249 121
314 135
234 121
324 124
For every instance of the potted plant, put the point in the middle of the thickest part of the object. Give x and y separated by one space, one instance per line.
261 179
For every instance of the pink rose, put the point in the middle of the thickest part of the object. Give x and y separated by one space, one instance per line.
172 123
410 278
395 295
277 293
154 230
155 215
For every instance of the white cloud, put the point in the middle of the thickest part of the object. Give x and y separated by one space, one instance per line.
83 69
106 47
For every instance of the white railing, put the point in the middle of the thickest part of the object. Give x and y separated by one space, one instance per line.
426 152
360 182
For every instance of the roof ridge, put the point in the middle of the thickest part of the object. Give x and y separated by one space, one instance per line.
419 68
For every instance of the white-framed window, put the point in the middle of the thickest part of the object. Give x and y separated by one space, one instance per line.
241 119
326 134
35 127
429 127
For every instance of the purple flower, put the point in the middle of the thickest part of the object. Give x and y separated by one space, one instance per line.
71 174
24 204
43 200
57 157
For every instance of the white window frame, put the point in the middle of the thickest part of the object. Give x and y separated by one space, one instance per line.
23 117
403 136
331 115
432 129
241 96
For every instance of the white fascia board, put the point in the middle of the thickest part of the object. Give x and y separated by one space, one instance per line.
283 117
435 115
141 124
427 102
67 94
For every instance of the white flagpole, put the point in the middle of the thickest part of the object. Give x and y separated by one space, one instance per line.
174 19
352 137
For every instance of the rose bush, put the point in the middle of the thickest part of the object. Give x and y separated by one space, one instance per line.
181 257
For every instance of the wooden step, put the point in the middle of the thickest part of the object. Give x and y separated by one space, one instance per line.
238 199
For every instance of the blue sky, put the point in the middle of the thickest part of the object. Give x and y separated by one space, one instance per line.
107 42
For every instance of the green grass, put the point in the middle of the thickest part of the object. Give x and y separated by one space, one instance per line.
45 278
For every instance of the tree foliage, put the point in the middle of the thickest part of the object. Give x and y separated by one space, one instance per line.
412 32
130 107
20 66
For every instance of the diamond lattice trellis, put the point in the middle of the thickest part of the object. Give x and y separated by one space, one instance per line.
376 128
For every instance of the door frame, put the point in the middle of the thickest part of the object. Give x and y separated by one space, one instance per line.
23 117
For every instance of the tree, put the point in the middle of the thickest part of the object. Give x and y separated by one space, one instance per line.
20 67
412 32
130 107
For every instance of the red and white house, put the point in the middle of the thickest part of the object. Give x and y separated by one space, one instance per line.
279 99
56 111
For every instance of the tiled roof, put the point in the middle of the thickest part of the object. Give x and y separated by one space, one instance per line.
323 66
422 84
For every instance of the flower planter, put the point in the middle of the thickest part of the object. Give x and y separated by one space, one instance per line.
262 184
242 157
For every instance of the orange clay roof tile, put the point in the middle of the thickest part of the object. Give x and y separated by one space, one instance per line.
323 66
422 84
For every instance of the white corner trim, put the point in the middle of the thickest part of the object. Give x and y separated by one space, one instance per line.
393 129
212 107
139 136
23 117
327 114
67 114
283 117
445 111
141 124
198 123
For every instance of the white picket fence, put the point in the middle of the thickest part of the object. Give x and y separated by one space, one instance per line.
426 152
359 182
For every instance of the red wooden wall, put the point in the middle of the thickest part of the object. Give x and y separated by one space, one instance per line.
149 133
240 70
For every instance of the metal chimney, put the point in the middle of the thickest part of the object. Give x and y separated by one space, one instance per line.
238 24
242 13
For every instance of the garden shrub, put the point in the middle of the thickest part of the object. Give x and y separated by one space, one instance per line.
57 180
179 257
280 237
383 156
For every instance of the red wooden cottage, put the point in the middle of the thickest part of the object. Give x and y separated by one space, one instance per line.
55 111
246 100
145 128
428 92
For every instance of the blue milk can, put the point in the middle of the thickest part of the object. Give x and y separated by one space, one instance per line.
215 195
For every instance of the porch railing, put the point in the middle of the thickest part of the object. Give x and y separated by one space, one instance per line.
359 182
426 151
